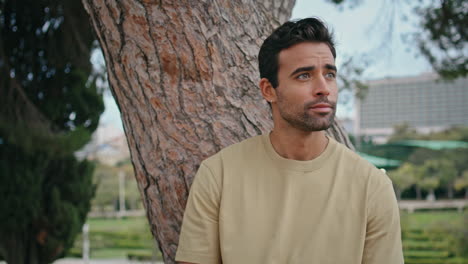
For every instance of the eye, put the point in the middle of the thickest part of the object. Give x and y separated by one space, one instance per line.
303 76
330 75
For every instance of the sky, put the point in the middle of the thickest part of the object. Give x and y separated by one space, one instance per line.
360 32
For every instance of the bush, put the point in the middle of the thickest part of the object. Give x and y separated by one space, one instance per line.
455 233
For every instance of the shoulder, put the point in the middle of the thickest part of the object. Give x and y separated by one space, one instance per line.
376 186
234 154
235 151
359 166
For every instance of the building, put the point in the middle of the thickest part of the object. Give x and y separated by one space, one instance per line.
108 145
348 124
425 102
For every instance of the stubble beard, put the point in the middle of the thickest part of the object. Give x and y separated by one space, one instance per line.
303 120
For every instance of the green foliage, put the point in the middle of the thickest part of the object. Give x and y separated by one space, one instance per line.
112 238
46 199
444 39
50 107
59 144
441 169
421 155
404 131
462 183
44 52
404 177
107 193
442 36
350 76
429 183
454 133
459 158
20 187
434 237
456 234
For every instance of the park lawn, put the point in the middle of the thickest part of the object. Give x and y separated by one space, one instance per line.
430 237
421 220
121 238
110 224
118 238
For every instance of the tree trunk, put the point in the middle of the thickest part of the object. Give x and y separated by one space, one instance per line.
418 193
398 193
184 75
450 191
432 195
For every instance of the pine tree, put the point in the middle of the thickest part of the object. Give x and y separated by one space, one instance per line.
50 105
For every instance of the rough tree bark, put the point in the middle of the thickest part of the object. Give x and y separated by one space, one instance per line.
184 75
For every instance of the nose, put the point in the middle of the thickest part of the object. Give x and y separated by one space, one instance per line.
320 87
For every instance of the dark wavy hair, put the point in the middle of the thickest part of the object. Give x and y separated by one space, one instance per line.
291 33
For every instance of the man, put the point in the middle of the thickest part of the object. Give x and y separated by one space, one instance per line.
293 195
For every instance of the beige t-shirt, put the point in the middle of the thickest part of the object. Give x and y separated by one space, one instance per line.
248 205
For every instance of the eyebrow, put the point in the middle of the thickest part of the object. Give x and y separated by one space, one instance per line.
331 67
311 68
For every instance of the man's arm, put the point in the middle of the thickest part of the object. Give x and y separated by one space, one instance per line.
199 237
383 232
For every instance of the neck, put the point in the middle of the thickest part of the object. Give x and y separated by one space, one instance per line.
298 145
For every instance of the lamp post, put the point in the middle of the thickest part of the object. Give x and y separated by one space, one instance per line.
86 243
121 193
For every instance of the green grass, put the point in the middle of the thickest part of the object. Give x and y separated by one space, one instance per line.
127 224
108 253
118 238
431 237
424 245
424 240
420 220
427 254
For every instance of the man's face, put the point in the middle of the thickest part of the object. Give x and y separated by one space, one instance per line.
307 90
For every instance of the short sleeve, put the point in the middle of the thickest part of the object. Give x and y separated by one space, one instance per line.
199 238
383 232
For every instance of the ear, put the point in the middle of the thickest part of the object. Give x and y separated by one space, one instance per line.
268 92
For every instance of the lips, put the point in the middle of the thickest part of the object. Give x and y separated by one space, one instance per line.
321 108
